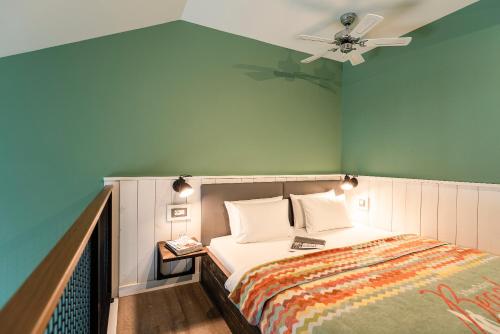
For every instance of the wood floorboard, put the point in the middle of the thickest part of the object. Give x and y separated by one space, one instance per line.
184 309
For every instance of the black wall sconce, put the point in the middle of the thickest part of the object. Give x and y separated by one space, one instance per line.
182 187
349 182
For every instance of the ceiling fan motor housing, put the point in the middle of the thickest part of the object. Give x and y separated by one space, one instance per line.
348 18
343 38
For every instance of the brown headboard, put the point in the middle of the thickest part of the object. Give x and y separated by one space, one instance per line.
214 218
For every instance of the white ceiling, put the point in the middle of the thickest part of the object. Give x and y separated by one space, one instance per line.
27 25
280 21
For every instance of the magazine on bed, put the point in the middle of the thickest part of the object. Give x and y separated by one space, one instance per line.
302 243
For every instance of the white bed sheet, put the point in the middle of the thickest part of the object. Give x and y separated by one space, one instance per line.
238 258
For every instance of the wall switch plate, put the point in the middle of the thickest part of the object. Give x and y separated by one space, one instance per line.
178 212
363 203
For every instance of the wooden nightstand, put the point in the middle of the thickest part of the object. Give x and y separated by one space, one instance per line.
165 255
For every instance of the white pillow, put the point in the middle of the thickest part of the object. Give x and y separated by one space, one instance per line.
323 214
298 213
263 221
234 215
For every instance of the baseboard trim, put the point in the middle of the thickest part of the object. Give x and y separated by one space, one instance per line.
134 289
113 317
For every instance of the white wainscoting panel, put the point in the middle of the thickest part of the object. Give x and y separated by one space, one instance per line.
146 194
362 191
463 213
264 179
429 210
142 219
128 232
413 206
467 201
467 214
447 213
163 228
398 206
381 204
489 220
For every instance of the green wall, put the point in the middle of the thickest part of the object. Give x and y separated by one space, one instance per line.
432 109
170 99
180 98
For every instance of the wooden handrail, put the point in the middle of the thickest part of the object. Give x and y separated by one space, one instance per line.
31 307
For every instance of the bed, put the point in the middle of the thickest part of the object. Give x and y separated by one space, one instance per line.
375 281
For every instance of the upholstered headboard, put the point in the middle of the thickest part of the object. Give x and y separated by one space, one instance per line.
214 218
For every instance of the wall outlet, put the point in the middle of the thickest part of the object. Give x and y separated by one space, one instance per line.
363 203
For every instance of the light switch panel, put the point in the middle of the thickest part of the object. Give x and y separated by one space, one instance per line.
363 203
178 212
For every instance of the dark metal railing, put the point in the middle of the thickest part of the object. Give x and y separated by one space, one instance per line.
70 291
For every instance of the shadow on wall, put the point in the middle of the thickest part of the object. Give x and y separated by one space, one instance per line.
290 70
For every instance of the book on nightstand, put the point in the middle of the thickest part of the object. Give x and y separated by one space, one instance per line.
184 245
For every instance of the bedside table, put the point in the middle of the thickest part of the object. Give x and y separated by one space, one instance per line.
165 255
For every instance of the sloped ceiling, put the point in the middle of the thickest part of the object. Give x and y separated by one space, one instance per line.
27 25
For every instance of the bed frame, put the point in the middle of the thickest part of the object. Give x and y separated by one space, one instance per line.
212 279
215 223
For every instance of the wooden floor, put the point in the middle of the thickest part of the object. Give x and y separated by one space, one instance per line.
181 309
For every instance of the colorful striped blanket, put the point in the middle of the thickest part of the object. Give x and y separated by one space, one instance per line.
402 284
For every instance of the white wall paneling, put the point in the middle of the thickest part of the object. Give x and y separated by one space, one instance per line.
489 220
467 214
230 180
429 210
463 213
398 206
128 232
362 191
146 194
264 179
305 178
380 193
447 213
467 204
413 206
163 228
140 221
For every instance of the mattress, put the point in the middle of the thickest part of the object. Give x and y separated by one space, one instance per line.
239 258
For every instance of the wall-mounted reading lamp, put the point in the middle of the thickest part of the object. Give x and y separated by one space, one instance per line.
182 187
349 182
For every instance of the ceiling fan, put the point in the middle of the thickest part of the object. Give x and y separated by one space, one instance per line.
349 42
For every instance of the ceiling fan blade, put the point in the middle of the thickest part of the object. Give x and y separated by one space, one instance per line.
397 41
366 24
356 59
316 39
316 56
